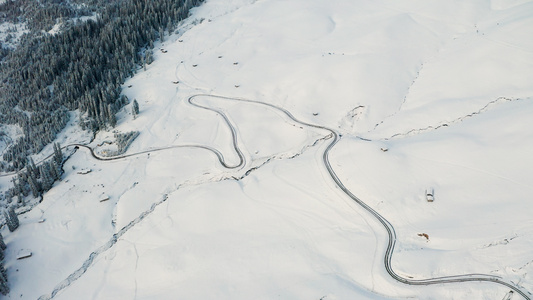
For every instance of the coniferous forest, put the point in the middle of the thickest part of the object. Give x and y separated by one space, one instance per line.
80 67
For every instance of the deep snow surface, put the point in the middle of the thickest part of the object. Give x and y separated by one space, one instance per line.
444 86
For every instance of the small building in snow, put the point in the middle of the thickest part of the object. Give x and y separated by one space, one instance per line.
103 197
430 195
23 253
84 171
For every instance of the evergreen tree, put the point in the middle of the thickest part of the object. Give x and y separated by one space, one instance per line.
2 243
12 219
4 288
20 199
32 169
135 108
149 57
33 183
81 67
58 154
3 271
161 34
111 118
17 185
52 167
56 170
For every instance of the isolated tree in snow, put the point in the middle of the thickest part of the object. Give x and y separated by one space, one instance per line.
135 108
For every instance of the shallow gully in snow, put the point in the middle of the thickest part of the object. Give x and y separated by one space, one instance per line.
459 119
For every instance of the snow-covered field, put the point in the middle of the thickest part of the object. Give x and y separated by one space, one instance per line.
444 86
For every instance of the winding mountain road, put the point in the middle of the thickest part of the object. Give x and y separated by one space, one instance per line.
392 238
391 233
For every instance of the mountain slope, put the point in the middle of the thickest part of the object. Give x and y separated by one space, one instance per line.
443 87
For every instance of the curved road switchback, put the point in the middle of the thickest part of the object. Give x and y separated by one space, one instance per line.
391 233
218 154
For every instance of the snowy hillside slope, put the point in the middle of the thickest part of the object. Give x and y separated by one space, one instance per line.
444 87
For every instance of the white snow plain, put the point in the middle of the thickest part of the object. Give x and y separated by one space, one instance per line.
444 86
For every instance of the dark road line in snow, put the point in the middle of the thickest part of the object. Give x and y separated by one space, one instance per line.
213 150
388 226
89 261
392 238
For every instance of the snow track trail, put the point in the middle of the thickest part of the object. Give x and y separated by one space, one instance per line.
334 138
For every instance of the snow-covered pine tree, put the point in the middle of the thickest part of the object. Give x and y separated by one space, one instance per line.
2 243
20 199
34 186
46 177
52 167
57 169
21 187
149 57
4 288
58 154
17 186
12 219
32 169
135 108
111 119
3 271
